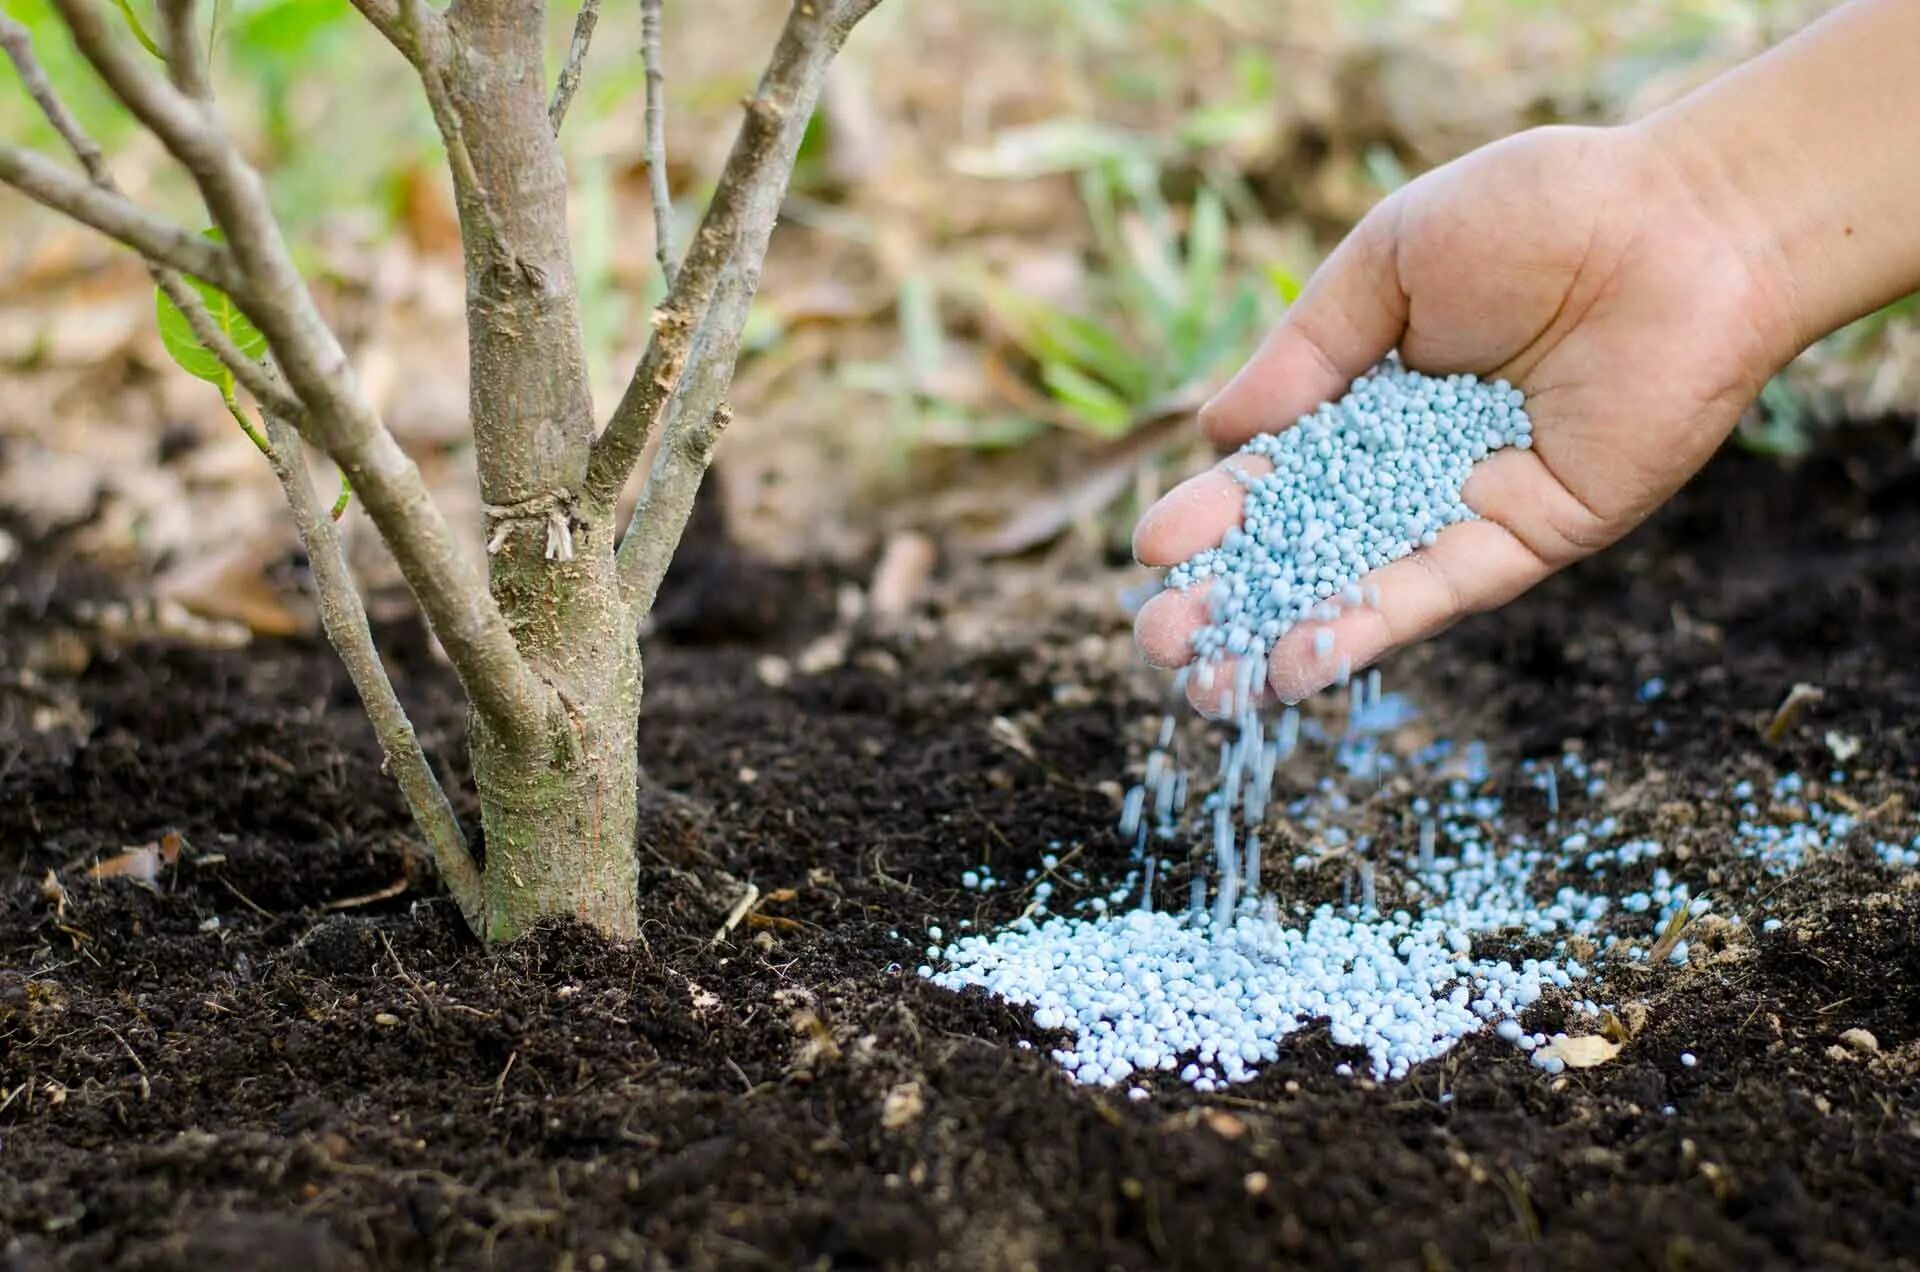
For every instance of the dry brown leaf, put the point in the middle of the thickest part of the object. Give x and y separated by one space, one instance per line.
52 891
233 585
142 865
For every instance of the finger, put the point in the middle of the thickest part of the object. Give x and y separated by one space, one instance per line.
1472 566
1348 318
1197 513
1164 627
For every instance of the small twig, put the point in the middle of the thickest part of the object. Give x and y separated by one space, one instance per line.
735 915
146 1087
656 139
500 1083
245 900
393 889
1788 713
413 984
569 81
740 1073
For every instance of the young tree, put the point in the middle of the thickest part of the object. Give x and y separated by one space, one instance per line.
546 647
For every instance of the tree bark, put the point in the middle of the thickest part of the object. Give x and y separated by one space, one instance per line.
557 802
558 810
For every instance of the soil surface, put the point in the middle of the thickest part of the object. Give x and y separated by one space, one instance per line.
285 1052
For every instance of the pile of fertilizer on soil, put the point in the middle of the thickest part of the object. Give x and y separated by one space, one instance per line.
1210 990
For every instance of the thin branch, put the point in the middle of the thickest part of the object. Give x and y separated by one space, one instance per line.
569 81
656 138
344 617
256 378
666 506
186 52
461 611
736 226
384 17
47 183
422 33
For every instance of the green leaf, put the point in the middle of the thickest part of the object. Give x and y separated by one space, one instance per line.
1049 334
1103 411
139 30
1206 248
922 339
1286 283
184 347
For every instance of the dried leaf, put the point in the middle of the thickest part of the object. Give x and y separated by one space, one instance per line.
1012 736
53 891
1583 1052
141 864
233 585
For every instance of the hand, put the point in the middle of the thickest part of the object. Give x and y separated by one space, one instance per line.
1580 265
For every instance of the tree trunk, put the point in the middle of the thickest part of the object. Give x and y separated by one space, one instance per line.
557 799
558 809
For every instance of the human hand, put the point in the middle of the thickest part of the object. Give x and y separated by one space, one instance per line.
1580 265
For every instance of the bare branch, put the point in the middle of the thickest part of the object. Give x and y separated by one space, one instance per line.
422 33
736 227
695 420
47 183
569 81
656 138
661 518
344 617
457 605
186 51
384 17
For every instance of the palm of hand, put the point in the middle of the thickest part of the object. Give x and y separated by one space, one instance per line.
1572 263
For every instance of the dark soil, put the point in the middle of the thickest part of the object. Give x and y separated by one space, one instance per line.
288 1054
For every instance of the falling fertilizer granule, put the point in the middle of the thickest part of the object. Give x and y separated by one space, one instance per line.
1208 991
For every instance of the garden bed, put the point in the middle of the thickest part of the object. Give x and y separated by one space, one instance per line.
287 1052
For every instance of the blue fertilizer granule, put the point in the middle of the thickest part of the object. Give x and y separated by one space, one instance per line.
1356 485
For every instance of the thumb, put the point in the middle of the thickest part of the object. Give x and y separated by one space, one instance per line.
1350 316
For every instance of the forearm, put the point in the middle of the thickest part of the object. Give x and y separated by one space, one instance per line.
1810 156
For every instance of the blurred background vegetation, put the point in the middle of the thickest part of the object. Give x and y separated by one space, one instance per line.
1025 238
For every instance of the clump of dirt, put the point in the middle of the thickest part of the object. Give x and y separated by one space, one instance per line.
286 1051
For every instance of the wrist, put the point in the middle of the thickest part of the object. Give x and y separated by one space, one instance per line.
1801 157
1707 177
